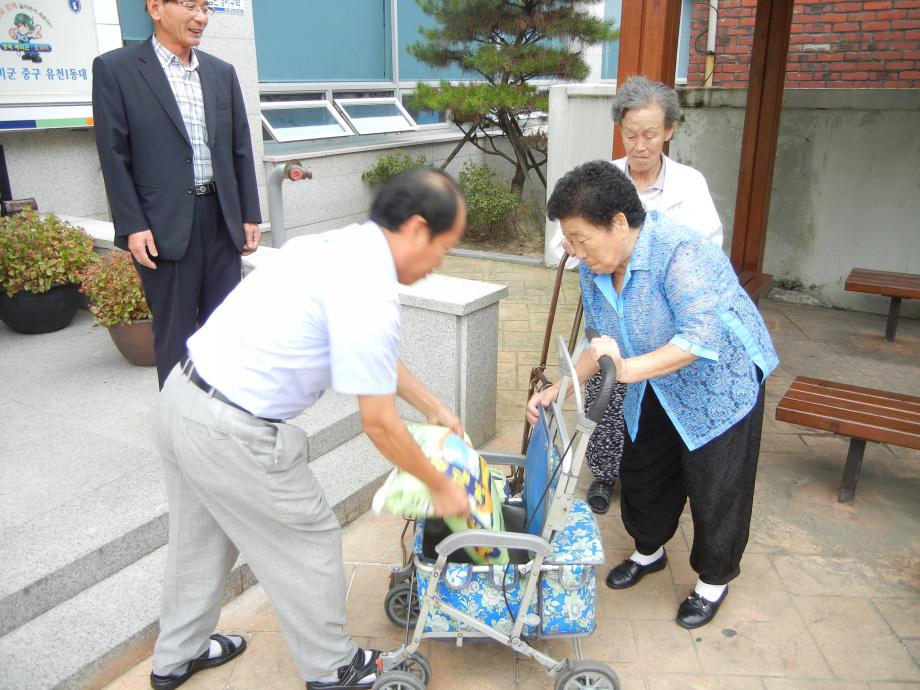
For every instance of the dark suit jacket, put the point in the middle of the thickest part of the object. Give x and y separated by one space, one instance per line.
146 155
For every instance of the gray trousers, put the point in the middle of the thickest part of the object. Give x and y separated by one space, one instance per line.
239 484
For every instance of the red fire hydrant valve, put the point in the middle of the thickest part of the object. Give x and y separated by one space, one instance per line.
295 171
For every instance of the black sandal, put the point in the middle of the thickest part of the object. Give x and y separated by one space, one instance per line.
599 496
228 650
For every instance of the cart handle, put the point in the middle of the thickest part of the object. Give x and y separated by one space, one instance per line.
608 381
502 540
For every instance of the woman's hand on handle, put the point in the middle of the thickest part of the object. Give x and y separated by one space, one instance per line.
606 346
539 400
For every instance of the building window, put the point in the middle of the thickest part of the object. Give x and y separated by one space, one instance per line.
136 24
298 120
424 118
611 51
293 96
331 40
376 115
613 9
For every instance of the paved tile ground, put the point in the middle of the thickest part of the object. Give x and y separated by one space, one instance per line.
829 596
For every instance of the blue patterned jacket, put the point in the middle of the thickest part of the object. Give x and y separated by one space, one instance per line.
680 288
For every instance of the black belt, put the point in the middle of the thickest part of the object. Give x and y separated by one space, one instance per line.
188 368
206 188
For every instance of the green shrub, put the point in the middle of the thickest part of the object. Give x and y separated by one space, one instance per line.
490 206
38 252
114 289
390 165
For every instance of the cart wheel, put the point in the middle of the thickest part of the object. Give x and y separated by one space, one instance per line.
401 605
398 680
418 666
588 674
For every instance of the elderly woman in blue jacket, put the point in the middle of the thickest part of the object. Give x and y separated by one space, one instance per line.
647 113
694 352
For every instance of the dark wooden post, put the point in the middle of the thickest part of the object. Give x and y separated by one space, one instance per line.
648 45
758 144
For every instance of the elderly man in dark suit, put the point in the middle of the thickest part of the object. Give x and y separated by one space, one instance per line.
177 161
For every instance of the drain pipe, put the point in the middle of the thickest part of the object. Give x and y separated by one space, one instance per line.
711 42
289 170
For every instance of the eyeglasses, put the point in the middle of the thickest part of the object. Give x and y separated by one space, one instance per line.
194 7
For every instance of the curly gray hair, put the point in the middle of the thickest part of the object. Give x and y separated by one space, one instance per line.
639 92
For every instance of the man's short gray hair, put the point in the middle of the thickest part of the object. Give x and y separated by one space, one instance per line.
638 92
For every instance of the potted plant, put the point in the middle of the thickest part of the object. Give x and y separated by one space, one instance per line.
41 258
116 301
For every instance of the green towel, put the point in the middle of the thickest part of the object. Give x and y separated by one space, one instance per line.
403 494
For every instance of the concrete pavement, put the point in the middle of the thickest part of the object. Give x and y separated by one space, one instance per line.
829 595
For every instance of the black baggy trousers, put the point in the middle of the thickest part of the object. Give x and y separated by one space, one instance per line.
659 474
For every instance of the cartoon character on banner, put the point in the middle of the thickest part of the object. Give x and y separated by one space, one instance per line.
25 31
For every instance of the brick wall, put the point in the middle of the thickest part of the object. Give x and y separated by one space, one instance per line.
834 44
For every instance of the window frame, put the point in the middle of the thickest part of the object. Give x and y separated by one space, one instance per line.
292 105
342 105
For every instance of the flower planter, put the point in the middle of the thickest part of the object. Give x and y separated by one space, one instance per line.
134 341
40 312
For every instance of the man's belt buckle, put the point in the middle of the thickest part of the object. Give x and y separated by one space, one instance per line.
205 188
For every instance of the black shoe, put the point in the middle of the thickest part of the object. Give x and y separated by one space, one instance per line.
228 650
599 496
696 611
628 573
356 675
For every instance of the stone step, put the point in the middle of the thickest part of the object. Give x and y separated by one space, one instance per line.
330 422
74 545
90 638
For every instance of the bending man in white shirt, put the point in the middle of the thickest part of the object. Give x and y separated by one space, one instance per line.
324 315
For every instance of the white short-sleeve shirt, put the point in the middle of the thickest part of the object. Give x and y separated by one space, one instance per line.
323 314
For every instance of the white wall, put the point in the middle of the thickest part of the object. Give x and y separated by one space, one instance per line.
580 130
846 187
337 196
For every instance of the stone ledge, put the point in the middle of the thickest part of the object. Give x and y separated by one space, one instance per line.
448 295
102 231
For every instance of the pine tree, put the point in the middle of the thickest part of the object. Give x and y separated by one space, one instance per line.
504 45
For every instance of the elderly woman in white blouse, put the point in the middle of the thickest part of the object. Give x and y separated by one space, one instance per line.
647 113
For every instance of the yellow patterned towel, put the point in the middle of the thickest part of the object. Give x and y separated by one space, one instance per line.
403 494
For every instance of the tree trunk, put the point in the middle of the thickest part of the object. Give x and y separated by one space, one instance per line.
520 153
530 156
517 182
467 136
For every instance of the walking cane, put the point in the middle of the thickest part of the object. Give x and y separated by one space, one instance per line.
538 380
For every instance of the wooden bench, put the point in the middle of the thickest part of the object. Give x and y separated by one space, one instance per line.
863 414
897 286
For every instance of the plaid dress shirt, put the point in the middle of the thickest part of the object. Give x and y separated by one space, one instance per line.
186 87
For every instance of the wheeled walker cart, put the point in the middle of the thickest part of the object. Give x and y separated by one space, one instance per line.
548 589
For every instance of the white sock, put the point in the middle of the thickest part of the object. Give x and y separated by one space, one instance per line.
642 559
373 674
215 651
334 676
709 592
